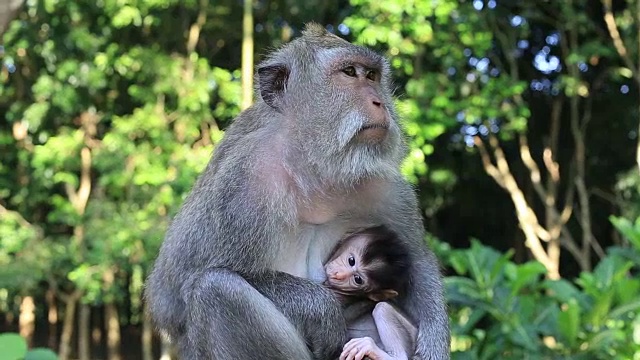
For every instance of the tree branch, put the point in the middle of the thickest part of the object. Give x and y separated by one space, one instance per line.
578 129
618 43
486 162
247 55
534 171
8 10
526 216
196 28
4 212
85 180
638 80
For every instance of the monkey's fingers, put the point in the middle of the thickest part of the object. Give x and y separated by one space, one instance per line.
346 350
347 355
343 355
354 354
357 349
352 344
349 345
350 349
360 354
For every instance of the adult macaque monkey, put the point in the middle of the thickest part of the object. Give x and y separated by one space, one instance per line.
239 273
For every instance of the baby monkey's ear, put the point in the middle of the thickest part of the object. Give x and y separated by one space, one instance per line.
383 295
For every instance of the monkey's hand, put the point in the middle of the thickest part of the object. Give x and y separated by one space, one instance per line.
358 348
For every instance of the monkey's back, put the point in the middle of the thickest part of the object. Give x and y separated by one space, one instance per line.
209 213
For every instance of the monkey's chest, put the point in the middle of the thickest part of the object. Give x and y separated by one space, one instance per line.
308 248
322 223
320 211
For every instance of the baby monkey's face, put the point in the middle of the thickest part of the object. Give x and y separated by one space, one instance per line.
345 271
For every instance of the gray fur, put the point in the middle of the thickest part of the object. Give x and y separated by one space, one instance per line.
281 189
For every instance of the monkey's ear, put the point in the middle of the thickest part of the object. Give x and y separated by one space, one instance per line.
383 295
273 82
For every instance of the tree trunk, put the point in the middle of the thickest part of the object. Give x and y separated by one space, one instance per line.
166 350
52 318
247 55
67 325
79 198
27 319
637 78
113 331
8 10
97 326
621 48
111 318
638 132
147 336
84 329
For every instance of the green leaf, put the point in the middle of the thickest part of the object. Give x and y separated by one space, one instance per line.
525 336
628 289
526 274
126 16
569 321
465 287
610 270
564 291
13 346
41 354
630 231
625 308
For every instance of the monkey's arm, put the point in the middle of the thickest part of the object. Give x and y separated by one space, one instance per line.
356 309
424 299
311 307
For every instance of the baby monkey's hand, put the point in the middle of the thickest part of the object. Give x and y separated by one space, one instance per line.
358 348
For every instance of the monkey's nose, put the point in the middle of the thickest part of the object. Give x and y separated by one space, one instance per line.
376 102
339 275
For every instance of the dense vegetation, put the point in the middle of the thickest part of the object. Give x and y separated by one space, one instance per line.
522 119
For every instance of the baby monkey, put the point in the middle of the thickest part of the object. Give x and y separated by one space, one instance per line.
367 269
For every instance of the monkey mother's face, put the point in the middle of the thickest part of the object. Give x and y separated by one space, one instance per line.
360 110
335 98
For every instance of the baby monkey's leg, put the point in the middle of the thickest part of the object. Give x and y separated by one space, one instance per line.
397 334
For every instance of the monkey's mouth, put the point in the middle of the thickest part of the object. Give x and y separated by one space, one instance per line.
374 126
373 133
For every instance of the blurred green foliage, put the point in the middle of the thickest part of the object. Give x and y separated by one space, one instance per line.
14 347
504 310
89 78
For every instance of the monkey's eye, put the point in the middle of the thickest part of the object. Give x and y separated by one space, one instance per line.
349 71
371 75
352 260
357 279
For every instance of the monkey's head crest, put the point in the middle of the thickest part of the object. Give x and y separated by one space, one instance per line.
317 34
314 29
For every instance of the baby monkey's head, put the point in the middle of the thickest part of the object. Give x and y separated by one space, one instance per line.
371 263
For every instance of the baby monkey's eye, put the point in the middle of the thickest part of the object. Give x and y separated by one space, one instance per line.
349 71
352 260
357 279
371 75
